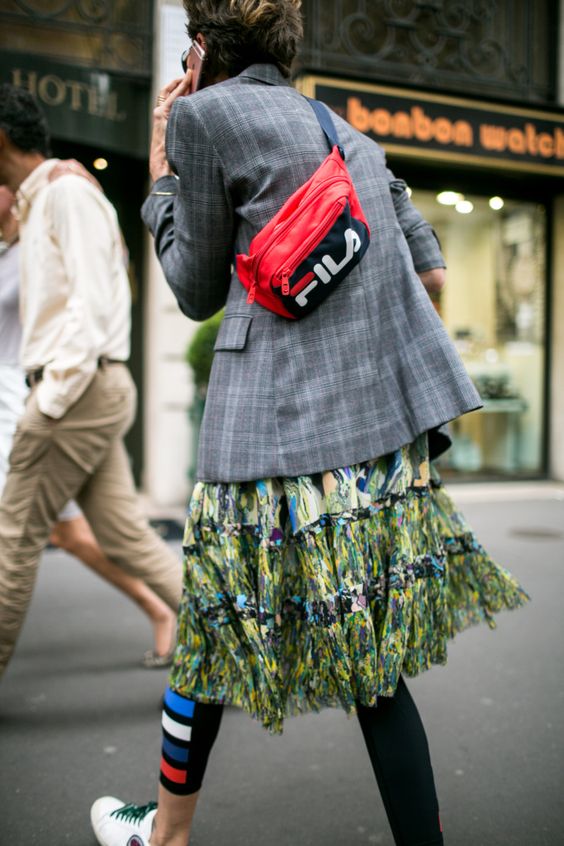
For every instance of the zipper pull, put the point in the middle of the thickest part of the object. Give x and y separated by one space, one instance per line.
285 276
252 293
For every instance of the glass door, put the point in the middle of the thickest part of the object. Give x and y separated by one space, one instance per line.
493 306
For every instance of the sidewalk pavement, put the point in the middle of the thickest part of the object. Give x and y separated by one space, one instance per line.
79 717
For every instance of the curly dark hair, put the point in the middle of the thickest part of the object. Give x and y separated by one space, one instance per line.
23 121
240 33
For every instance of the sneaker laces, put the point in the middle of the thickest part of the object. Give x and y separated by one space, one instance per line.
133 813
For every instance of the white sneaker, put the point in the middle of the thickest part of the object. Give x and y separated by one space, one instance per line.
118 824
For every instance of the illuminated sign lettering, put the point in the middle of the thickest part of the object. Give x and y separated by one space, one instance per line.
432 126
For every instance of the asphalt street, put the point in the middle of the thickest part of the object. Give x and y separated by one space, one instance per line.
79 718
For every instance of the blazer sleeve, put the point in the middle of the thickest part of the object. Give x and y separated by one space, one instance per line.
421 237
191 217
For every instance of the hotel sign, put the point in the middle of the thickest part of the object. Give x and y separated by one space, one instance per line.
421 125
104 110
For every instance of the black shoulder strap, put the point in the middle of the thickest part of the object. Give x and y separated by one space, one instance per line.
323 115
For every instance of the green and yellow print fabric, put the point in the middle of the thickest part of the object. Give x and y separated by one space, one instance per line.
315 591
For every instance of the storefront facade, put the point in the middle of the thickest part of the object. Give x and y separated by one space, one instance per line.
487 170
463 97
89 65
95 67
484 175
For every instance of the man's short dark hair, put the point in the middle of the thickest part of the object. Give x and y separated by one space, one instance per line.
23 120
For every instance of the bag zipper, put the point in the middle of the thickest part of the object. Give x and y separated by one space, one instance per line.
285 274
280 232
251 296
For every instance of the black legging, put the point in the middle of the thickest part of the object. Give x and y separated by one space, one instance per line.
396 743
399 753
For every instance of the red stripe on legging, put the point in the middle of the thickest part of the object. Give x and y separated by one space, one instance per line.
179 776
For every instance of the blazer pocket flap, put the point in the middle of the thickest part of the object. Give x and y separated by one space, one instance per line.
233 333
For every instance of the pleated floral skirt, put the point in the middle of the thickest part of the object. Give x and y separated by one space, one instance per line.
314 591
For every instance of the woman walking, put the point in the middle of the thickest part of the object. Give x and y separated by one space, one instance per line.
305 586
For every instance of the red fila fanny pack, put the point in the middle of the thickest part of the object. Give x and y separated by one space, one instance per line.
313 242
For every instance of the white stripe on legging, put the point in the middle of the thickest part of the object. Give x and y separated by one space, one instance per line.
176 729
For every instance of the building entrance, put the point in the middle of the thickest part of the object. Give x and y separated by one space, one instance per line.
124 180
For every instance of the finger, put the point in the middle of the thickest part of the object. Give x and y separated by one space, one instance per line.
170 86
182 86
168 89
77 167
66 166
165 102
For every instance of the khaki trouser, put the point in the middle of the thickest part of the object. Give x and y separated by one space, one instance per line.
82 457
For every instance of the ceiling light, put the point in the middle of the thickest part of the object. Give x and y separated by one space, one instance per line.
100 164
496 203
464 207
449 198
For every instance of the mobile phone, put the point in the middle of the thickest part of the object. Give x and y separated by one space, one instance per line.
194 59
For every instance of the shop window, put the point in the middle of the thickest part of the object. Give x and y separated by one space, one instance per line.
493 306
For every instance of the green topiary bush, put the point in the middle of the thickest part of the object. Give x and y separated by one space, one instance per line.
199 354
199 357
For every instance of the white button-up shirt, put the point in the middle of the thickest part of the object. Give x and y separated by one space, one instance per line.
74 290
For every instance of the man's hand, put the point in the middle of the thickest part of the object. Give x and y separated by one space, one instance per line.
158 164
66 166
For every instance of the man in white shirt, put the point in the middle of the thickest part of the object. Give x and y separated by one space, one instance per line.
75 309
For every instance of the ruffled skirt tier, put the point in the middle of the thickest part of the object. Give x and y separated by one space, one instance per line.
315 591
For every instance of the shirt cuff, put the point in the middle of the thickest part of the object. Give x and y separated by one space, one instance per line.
47 404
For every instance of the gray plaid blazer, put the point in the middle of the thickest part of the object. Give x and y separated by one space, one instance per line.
364 373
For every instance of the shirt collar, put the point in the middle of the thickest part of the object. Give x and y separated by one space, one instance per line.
32 185
267 73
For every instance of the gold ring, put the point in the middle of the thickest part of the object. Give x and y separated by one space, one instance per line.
160 100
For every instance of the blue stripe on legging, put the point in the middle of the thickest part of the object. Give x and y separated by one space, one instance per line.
177 753
178 703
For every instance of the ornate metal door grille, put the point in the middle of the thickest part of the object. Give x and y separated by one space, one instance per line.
500 48
107 34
